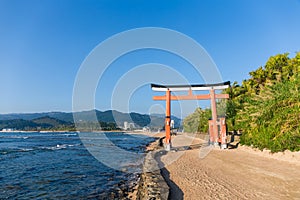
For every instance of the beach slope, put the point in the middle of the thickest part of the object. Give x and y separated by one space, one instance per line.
240 173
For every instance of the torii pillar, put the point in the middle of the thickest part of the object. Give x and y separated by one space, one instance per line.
168 120
212 97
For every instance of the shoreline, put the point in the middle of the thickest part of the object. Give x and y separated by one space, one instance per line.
66 131
189 175
151 184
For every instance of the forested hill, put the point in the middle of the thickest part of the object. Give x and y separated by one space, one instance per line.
109 120
265 107
42 123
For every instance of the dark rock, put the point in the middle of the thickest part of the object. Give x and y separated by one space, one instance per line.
152 185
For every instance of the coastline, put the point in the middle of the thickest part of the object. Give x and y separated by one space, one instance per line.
182 173
151 184
75 131
222 174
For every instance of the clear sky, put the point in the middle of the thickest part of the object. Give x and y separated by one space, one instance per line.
43 43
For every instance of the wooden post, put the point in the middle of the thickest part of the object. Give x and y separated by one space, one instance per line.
223 133
214 116
211 132
168 120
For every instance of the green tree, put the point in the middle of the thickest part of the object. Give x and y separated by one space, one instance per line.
266 107
271 119
197 121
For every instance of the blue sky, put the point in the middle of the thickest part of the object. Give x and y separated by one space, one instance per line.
43 44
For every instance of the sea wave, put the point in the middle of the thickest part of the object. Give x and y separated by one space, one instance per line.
56 147
26 149
69 134
56 165
14 137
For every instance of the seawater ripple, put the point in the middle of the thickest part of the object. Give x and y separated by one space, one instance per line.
57 165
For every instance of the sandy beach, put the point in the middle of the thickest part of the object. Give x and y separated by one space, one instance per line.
241 173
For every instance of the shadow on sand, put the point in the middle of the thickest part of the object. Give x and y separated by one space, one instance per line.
234 140
174 191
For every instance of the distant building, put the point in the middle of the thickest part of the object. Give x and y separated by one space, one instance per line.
8 130
131 125
172 123
126 125
146 129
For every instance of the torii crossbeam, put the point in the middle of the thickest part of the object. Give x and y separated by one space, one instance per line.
212 96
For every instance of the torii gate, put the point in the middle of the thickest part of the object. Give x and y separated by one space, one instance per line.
212 96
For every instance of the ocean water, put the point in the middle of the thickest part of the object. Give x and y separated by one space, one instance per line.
61 165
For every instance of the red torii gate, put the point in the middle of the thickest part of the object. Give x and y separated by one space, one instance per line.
190 96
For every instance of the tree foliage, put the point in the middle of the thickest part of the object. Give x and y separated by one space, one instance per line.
271 119
266 106
197 121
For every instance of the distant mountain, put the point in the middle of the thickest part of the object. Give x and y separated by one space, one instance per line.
42 123
30 116
160 119
19 124
50 121
54 119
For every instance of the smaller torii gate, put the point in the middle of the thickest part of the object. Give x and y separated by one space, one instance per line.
212 96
